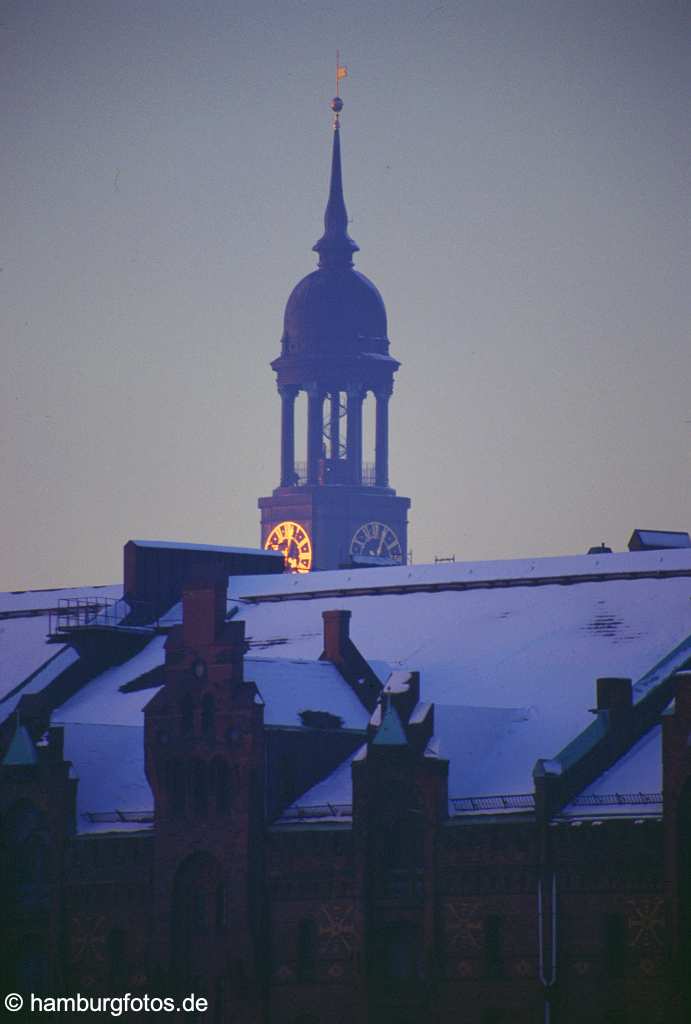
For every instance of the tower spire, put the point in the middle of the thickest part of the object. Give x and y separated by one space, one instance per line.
336 247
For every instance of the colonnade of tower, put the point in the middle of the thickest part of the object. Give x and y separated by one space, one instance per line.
342 463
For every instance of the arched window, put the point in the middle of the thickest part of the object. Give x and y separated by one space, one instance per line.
193 935
187 715
208 715
398 953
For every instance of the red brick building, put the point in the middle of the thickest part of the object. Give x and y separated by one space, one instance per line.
253 798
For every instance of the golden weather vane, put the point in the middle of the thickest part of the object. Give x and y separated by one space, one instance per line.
337 102
341 72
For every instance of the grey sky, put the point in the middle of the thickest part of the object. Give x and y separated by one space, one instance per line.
517 174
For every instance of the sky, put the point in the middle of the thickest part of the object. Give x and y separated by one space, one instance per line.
517 178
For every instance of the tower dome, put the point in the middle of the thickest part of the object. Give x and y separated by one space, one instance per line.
335 310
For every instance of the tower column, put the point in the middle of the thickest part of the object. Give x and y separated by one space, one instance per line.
356 396
315 429
288 396
335 426
381 444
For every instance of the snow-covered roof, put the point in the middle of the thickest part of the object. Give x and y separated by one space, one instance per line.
510 659
631 787
289 686
517 572
113 794
101 702
508 651
24 648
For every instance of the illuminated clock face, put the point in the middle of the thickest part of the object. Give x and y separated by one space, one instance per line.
294 541
376 540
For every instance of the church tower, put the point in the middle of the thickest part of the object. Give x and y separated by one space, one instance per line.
335 509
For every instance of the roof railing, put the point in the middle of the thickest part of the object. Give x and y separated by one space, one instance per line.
336 473
302 813
615 799
78 613
81 612
498 802
474 804
108 817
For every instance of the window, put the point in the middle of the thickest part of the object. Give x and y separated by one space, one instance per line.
494 945
117 972
398 953
307 952
615 945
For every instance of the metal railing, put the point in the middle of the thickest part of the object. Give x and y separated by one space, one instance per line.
107 817
615 799
300 813
80 612
506 802
330 473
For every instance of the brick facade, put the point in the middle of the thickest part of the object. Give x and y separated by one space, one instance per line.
402 914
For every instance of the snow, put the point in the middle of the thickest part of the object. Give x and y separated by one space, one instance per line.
510 665
100 702
419 712
531 570
291 686
24 622
59 660
109 763
335 791
508 651
45 600
398 682
637 774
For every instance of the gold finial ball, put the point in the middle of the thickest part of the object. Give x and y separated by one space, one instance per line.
337 104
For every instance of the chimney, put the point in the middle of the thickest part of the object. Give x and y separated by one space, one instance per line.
614 694
203 607
336 634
